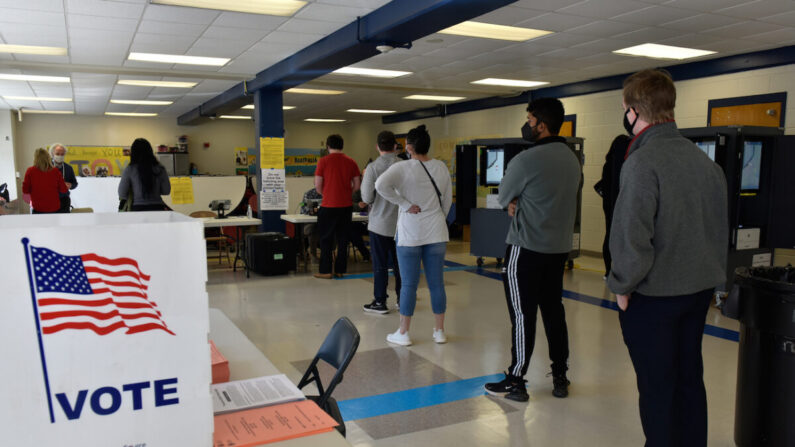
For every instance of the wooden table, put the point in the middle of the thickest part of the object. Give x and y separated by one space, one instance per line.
246 362
299 220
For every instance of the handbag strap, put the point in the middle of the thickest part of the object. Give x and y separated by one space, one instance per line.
438 193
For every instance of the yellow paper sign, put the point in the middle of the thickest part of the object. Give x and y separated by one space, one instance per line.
271 153
181 190
100 161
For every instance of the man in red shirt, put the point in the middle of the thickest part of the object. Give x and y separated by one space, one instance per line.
337 176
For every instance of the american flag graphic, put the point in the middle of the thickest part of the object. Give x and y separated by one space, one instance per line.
92 292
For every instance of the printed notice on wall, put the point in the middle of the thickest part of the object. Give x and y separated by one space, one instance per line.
273 200
273 179
271 153
181 190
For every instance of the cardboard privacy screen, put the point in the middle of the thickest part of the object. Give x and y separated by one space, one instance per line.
104 331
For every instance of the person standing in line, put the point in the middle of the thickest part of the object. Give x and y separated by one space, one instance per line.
669 246
539 189
422 190
382 224
336 178
144 180
58 152
44 183
607 188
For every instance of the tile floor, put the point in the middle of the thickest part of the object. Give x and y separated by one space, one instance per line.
429 394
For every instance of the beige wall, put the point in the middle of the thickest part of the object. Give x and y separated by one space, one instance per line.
599 120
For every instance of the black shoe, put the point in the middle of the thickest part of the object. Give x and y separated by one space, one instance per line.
376 308
561 385
511 387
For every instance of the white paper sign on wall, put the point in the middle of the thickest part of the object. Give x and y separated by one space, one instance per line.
106 335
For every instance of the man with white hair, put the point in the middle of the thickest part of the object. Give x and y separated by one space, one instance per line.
58 152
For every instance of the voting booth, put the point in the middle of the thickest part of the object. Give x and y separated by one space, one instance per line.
104 328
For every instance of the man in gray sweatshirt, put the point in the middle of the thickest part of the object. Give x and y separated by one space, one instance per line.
382 223
668 241
539 189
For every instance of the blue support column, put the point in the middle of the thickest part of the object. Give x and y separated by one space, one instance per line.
269 122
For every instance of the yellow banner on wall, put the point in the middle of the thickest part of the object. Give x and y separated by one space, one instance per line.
98 161
271 153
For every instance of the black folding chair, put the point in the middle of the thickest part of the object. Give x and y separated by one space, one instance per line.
337 350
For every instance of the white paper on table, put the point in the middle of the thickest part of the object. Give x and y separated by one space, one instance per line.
273 200
253 393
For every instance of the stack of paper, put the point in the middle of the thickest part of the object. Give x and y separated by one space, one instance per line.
270 424
252 393
220 365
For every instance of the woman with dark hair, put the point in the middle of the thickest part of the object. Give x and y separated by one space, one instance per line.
144 180
44 183
422 190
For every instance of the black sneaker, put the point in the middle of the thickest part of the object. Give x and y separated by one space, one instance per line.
510 387
561 385
376 308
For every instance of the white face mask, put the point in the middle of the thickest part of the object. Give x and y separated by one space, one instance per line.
57 158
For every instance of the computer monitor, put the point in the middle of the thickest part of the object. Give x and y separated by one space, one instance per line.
492 166
752 166
708 146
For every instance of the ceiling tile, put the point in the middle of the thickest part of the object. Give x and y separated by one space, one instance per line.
315 26
28 34
174 29
238 34
744 29
331 13
218 48
700 22
34 5
100 23
40 18
178 14
555 22
105 8
509 15
649 34
654 15
604 28
255 21
39 58
545 5
156 43
291 38
602 9
704 5
784 36
786 19
759 8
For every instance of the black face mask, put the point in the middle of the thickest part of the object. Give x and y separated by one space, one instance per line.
527 132
627 125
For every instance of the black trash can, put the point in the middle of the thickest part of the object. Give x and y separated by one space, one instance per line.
763 299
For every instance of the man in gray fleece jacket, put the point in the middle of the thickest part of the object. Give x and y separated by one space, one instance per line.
669 241
540 191
381 224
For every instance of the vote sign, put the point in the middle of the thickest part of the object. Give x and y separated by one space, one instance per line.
104 330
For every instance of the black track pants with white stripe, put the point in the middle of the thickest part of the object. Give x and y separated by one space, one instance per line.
534 280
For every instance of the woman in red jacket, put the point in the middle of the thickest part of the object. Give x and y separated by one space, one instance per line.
44 184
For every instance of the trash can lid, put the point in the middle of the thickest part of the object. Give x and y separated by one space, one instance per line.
778 279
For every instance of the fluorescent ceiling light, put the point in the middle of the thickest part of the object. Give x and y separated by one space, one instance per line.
143 83
370 111
54 112
324 120
435 98
251 107
130 114
178 59
32 78
509 82
283 8
490 31
31 49
235 117
314 91
36 98
655 51
141 103
371 72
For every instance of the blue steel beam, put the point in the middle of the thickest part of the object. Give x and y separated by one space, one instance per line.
398 23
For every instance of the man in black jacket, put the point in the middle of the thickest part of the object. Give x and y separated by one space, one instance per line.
607 188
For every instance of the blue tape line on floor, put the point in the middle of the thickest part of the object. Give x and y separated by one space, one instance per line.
381 404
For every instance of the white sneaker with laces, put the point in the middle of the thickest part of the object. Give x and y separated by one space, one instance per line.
439 337
398 338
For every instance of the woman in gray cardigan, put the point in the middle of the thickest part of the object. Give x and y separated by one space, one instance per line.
145 178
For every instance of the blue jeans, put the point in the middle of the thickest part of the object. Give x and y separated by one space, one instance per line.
432 257
383 254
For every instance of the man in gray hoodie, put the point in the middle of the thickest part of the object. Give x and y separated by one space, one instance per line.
381 225
668 241
539 189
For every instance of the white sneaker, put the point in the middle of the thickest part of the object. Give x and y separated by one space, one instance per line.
439 337
398 338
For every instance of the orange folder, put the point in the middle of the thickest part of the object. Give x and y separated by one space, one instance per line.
275 423
220 365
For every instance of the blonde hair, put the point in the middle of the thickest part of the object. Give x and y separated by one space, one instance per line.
41 160
653 95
